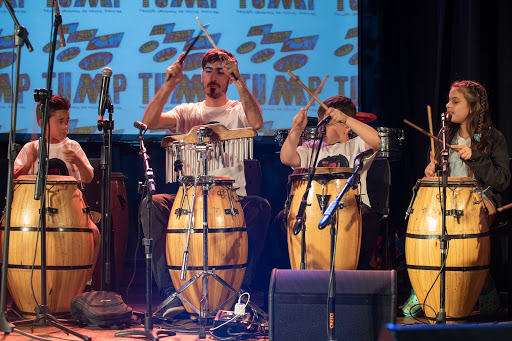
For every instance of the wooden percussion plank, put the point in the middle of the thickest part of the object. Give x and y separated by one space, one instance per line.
217 133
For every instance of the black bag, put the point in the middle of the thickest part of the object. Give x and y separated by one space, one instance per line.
101 308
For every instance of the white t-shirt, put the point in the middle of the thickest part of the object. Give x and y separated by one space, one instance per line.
339 155
231 115
56 161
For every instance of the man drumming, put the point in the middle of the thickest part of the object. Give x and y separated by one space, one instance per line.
219 71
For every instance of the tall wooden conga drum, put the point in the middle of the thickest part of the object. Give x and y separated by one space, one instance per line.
227 241
69 244
327 183
468 255
119 215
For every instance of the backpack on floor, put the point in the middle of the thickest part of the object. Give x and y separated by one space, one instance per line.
101 308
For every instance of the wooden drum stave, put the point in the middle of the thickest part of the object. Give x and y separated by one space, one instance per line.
326 184
69 245
227 241
468 256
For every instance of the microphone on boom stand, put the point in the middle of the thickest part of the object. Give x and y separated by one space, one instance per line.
328 212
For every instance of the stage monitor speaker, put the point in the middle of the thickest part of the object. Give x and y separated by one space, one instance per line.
365 302
447 332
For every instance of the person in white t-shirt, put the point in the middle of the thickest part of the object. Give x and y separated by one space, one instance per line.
65 156
339 150
219 70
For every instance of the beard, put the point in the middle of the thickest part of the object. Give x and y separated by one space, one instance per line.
213 92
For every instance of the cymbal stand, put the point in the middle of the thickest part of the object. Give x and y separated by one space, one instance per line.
149 187
203 312
443 242
334 206
299 225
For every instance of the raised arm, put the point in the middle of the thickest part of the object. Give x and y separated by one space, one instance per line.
369 135
289 155
251 107
154 117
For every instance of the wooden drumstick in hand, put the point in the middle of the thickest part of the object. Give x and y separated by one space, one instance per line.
317 91
307 90
215 46
432 148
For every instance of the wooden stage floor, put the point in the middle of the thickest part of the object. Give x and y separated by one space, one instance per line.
187 329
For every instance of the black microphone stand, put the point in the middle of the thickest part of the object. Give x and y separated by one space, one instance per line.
443 242
106 165
326 219
21 38
43 316
149 187
299 225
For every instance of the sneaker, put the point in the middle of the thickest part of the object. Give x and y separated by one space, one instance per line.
489 301
412 307
173 309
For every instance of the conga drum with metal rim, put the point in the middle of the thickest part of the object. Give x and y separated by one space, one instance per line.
327 183
468 254
69 245
227 241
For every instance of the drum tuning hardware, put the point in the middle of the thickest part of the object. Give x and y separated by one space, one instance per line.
455 213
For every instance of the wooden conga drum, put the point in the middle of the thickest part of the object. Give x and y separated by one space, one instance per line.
227 241
69 245
327 183
119 215
468 256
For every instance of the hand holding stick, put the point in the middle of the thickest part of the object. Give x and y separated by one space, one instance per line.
215 46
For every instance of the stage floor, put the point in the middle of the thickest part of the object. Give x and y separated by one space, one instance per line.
187 329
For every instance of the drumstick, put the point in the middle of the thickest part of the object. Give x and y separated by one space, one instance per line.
182 59
317 91
215 46
504 208
307 90
429 113
426 133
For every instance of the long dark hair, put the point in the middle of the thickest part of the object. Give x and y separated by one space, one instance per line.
479 120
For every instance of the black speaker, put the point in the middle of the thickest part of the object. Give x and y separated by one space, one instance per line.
365 302
447 332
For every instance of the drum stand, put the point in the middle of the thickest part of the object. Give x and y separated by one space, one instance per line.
43 316
149 186
206 182
326 219
443 242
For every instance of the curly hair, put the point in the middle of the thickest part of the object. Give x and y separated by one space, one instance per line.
341 103
479 118
212 56
56 103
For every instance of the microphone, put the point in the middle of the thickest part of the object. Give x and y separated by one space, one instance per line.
446 116
140 125
364 154
106 73
59 26
324 121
